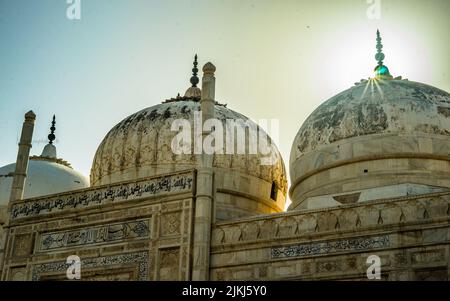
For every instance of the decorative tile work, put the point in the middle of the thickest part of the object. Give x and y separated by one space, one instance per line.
140 259
353 244
150 187
94 235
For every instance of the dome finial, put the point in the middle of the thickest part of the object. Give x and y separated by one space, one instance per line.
381 71
380 55
194 79
51 136
194 91
49 150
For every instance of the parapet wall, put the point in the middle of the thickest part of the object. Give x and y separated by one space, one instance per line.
411 235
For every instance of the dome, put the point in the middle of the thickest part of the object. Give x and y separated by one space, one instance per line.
383 138
387 132
44 177
141 146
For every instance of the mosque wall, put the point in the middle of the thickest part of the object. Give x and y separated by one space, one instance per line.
136 230
411 236
143 230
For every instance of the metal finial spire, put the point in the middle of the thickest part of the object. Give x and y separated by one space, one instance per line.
51 136
380 55
194 78
381 71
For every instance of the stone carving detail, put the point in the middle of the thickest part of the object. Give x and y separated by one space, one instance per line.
391 213
307 223
171 223
232 234
287 227
140 259
348 219
251 231
99 196
169 264
339 219
331 247
327 266
18 274
429 256
327 221
94 235
218 236
269 229
22 245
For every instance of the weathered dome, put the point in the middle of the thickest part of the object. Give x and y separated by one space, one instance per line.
383 131
140 146
45 176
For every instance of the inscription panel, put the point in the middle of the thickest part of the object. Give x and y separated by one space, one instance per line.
116 193
353 244
140 260
94 235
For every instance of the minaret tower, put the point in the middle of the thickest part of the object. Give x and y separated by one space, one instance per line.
204 199
23 155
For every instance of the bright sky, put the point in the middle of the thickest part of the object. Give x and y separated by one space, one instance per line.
274 59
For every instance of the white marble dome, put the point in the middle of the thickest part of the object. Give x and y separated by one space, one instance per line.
45 176
378 133
140 146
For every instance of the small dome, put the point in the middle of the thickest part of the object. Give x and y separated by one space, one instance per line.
44 177
46 173
49 151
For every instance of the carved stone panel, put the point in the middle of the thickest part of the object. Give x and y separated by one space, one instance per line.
94 235
428 256
171 223
351 244
18 274
250 231
94 197
138 260
169 264
288 227
23 245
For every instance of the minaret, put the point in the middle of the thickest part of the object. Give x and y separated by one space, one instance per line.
22 157
381 71
204 196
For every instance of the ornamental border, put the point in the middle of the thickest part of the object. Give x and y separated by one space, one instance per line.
169 184
327 247
141 258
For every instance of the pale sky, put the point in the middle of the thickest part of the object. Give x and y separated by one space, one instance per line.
274 59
